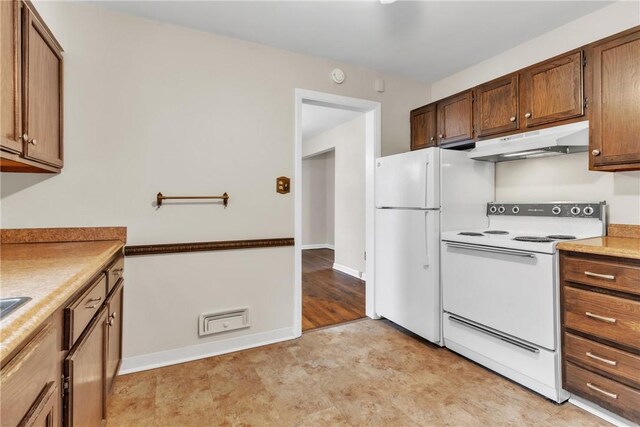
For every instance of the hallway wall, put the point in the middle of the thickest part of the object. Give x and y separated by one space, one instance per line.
318 198
348 141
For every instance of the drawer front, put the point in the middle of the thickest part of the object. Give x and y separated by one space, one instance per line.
606 359
612 318
114 273
26 376
81 311
609 394
603 274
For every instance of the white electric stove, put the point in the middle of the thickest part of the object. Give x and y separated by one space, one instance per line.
500 288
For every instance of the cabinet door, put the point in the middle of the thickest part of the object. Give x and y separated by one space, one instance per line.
423 127
455 119
114 333
552 91
27 377
42 80
615 119
10 118
497 106
43 412
84 368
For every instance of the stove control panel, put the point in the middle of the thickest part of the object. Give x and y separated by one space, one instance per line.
551 209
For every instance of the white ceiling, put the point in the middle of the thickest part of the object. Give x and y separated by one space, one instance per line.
317 119
424 40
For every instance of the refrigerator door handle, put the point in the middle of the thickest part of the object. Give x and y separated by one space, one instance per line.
426 185
425 261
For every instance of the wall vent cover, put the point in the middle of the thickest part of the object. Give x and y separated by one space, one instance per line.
223 321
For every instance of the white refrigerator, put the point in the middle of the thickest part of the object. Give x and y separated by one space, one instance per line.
419 194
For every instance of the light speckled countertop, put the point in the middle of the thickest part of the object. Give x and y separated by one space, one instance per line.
624 247
49 273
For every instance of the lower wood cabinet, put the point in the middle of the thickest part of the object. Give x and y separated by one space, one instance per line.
94 360
114 334
44 412
84 370
601 331
28 383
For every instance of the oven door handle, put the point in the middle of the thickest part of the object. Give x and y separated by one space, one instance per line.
492 250
508 340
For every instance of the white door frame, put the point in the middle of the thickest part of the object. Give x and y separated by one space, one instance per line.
373 150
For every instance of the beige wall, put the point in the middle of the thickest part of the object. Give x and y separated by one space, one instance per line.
155 107
318 198
563 177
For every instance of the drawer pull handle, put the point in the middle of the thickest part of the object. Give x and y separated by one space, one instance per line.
601 359
604 319
600 276
599 390
98 299
118 272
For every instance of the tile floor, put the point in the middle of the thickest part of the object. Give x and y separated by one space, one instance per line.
361 373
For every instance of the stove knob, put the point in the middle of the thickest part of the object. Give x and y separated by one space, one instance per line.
501 210
515 209
575 210
556 210
588 211
493 209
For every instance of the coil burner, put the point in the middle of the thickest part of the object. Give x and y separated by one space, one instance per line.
535 239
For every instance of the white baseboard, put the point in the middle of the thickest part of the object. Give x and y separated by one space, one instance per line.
350 271
201 351
318 246
600 412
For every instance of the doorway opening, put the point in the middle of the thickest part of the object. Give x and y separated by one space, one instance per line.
337 141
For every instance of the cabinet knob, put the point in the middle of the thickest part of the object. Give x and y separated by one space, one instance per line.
596 152
431 139
33 142
527 115
441 136
24 137
512 118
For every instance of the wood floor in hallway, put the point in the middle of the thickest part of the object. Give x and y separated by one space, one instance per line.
364 373
329 297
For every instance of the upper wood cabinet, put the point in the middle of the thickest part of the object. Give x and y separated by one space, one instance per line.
31 111
455 119
615 114
552 91
496 105
423 127
42 92
10 68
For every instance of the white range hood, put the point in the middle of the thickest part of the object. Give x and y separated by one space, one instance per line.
565 139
